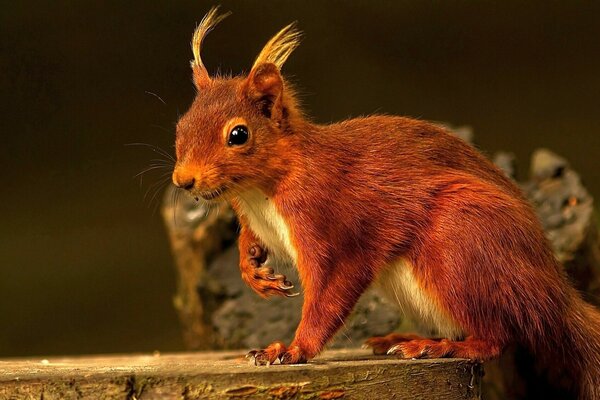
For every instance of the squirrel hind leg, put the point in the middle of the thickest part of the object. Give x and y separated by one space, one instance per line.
471 348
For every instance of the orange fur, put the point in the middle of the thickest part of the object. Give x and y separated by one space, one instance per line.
352 197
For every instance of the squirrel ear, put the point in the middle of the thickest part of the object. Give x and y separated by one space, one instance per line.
264 87
201 78
265 84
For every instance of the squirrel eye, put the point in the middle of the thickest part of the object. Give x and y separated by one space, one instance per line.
238 136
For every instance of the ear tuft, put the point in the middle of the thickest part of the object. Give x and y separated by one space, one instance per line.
278 49
210 20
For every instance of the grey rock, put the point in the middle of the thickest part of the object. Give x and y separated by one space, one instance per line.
506 162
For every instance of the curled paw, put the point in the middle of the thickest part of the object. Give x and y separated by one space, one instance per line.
263 279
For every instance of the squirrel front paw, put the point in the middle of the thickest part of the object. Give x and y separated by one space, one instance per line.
261 278
277 352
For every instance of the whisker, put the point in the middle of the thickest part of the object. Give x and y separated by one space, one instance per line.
154 185
154 148
162 161
155 95
162 128
161 165
150 168
218 211
157 190
174 199
157 202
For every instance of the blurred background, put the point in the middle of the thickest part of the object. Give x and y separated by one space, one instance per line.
85 264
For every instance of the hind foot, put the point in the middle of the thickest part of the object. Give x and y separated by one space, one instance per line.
381 345
474 349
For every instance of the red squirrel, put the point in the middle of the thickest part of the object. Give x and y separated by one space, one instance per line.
382 200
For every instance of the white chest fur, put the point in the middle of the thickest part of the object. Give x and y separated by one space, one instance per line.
400 286
267 223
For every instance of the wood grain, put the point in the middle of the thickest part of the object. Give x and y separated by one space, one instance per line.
339 374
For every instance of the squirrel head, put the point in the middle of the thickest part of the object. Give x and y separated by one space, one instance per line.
229 139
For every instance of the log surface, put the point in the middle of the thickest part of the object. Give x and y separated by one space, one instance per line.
336 374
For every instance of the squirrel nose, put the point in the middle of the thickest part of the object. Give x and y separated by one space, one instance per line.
183 182
187 185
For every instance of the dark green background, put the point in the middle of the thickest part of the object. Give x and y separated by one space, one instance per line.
84 262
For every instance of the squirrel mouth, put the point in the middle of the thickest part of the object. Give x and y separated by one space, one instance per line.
211 195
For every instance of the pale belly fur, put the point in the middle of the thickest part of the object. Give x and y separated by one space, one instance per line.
396 281
267 223
399 285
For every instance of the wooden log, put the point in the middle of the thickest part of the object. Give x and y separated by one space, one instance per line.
196 238
228 375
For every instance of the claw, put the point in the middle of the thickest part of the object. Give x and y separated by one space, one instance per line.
292 294
261 273
286 285
265 271
393 350
251 357
251 354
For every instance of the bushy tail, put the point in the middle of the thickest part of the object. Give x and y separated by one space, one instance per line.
581 350
589 325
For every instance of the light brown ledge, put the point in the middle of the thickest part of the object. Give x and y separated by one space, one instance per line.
225 375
